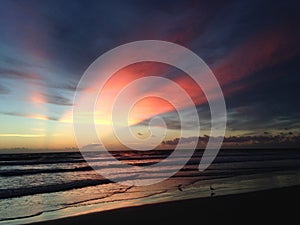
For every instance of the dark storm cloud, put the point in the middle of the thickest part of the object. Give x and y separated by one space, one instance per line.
74 33
214 29
270 100
80 31
175 141
280 140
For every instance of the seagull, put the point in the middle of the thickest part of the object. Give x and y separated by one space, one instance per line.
211 188
179 187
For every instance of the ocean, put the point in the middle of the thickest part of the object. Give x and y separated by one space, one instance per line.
43 186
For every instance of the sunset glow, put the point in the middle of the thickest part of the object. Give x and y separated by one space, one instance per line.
44 55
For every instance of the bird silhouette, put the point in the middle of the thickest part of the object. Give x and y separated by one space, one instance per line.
212 193
179 187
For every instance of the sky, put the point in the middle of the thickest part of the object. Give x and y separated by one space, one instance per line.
252 47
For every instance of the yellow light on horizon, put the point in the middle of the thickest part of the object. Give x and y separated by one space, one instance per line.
22 135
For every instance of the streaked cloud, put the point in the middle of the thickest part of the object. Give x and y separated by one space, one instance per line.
42 98
31 116
23 135
57 99
16 74
65 86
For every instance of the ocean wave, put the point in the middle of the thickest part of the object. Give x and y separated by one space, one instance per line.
50 188
9 173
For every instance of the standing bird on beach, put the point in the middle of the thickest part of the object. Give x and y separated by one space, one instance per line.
212 193
179 187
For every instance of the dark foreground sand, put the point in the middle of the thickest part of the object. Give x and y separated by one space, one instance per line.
278 206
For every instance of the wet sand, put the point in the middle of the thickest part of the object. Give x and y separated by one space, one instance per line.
276 206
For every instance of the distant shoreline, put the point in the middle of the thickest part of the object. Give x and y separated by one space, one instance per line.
275 206
14 151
